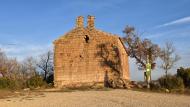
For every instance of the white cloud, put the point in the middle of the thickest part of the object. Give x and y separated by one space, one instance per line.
22 51
179 32
176 22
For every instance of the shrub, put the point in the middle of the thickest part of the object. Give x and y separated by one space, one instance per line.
19 84
50 79
185 75
6 83
155 85
35 81
171 82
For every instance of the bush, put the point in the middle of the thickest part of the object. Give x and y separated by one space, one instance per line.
155 85
171 82
50 79
35 81
6 83
185 75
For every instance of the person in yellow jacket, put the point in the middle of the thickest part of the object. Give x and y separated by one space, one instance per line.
148 72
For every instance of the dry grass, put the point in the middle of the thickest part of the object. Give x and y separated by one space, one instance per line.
111 98
5 93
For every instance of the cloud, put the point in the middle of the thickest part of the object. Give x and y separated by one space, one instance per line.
176 22
183 32
22 51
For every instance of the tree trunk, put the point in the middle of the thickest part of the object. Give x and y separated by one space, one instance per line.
145 77
166 73
45 75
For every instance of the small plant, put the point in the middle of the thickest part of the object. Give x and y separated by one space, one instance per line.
171 82
155 85
50 79
185 75
35 81
6 83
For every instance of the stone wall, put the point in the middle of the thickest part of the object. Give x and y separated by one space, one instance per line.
77 58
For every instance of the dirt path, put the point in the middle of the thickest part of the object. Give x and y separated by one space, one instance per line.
114 98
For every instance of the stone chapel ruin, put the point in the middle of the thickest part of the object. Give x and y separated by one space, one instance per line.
89 55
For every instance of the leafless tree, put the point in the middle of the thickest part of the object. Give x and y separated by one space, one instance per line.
45 63
28 68
16 71
168 57
9 67
3 61
12 69
140 49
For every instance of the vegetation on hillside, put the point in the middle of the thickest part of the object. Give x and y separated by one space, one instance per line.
26 74
35 73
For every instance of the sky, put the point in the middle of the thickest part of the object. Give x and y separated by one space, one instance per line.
28 27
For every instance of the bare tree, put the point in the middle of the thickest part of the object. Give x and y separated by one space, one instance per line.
9 67
27 71
13 69
139 49
3 61
46 63
168 57
28 68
